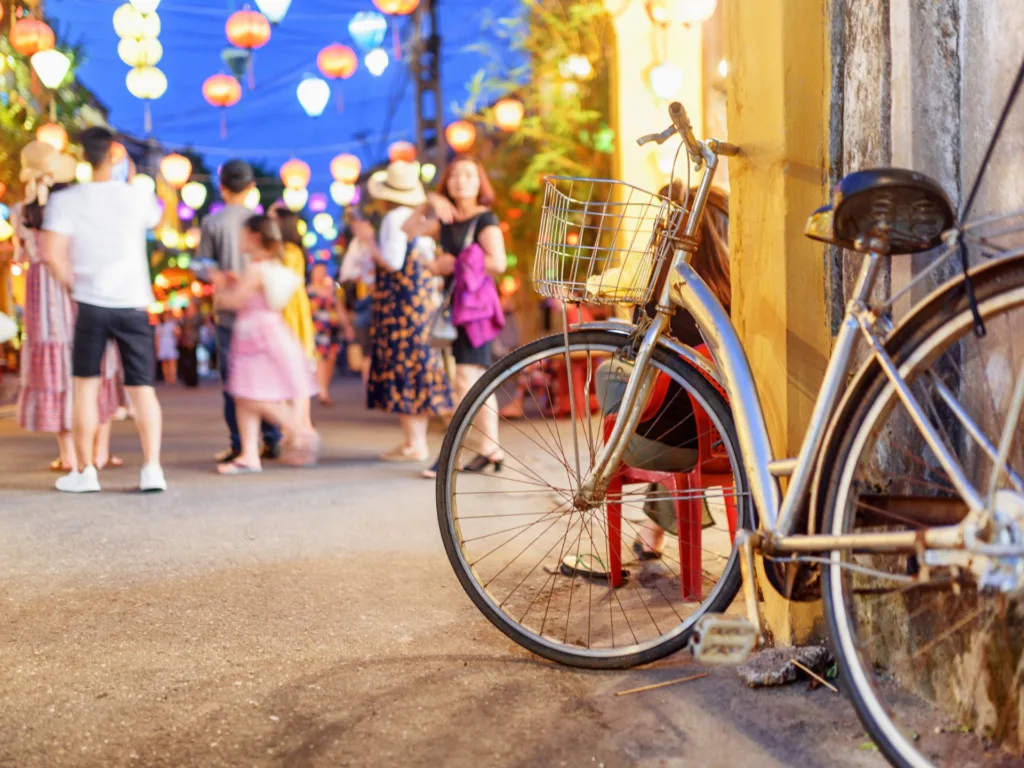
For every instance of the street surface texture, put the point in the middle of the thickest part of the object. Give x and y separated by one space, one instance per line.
310 618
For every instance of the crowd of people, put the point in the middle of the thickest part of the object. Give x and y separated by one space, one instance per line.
420 334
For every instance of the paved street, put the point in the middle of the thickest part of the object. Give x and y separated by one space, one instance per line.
310 618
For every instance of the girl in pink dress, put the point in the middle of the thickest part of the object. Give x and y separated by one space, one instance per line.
269 374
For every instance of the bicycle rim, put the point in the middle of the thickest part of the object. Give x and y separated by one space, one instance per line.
932 669
540 569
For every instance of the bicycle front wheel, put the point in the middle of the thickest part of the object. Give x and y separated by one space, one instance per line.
612 584
931 661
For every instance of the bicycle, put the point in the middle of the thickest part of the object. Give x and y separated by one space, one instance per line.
904 496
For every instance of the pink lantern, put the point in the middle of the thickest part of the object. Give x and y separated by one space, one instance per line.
317 202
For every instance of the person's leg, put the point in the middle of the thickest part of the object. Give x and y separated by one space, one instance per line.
148 421
415 430
249 433
66 445
86 420
230 417
487 419
172 371
101 453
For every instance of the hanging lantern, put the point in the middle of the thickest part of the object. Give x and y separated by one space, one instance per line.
274 10
236 60
508 114
185 213
667 12
402 151
248 29
576 67
295 198
322 222
54 135
170 238
192 237
29 36
337 61
144 184
130 23
368 29
252 199
313 94
295 174
146 83
140 53
461 135
222 91
346 168
193 195
176 169
317 202
427 172
309 240
343 194
396 7
51 66
665 80
145 6
377 61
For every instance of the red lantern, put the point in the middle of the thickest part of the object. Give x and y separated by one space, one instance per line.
3 189
176 169
30 36
346 169
461 135
396 7
248 29
515 213
402 150
54 135
508 114
337 61
295 174
222 91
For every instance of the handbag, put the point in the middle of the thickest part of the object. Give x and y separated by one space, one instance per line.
443 332
279 285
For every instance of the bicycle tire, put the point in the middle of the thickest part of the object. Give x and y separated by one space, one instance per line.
948 313
720 413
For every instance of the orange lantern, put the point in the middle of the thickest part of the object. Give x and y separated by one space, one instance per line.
402 150
573 238
508 114
461 135
117 153
504 227
515 213
3 189
176 169
248 29
54 135
346 169
337 61
520 196
295 174
29 36
222 91
396 7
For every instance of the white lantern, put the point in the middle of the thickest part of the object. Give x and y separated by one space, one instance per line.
427 172
144 184
140 53
146 83
145 6
83 173
193 195
665 80
330 234
274 10
295 198
129 22
309 239
170 238
313 93
377 61
323 222
252 199
52 67
343 194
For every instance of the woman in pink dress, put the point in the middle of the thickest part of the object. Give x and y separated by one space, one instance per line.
269 373
44 399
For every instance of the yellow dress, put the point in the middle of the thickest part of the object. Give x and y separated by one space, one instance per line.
298 315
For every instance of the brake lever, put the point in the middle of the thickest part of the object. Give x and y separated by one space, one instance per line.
659 138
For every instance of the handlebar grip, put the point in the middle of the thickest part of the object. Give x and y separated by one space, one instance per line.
725 149
682 123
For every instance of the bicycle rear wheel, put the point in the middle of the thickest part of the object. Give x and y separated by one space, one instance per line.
565 582
933 668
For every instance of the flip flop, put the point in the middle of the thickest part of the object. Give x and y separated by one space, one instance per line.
59 466
583 565
114 462
233 468
401 454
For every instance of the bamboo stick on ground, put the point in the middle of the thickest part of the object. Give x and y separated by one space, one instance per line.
662 685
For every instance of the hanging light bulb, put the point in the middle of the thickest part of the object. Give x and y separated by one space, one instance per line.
193 195
309 240
144 184
427 172
295 198
368 29
342 193
323 222
295 173
252 199
313 93
665 80
274 10
52 67
377 61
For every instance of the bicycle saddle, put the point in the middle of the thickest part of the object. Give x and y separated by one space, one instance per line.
906 210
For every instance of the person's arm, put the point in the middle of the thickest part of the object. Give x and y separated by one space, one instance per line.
347 329
492 240
426 220
55 240
233 294
390 253
204 251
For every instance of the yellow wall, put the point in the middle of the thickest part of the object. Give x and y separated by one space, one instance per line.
637 111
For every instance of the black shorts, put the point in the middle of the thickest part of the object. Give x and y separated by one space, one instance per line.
131 330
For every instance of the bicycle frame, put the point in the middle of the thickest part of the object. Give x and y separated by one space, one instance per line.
778 514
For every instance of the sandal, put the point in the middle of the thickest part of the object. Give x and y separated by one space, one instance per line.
584 565
59 466
113 462
643 554
233 468
404 454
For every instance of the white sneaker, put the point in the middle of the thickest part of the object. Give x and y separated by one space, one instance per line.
152 479
86 481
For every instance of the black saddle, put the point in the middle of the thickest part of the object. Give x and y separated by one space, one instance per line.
904 209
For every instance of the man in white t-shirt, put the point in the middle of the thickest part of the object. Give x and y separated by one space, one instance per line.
94 240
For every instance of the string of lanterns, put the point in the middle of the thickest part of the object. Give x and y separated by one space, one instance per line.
137 24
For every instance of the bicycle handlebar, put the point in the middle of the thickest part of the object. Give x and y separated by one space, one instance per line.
694 147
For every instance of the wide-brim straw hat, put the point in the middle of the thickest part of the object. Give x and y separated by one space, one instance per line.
401 185
65 169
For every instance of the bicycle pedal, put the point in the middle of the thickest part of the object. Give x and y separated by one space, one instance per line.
723 640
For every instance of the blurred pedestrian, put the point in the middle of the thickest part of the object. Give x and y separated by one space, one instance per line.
103 224
269 376
407 375
167 335
45 396
188 346
330 321
473 254
220 241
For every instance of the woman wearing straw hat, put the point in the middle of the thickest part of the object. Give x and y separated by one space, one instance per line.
407 376
44 400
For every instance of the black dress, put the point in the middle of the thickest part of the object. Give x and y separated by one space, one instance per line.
453 240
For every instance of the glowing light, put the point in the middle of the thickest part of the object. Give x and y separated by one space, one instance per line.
185 213
346 169
194 194
222 90
145 6
342 194
461 135
313 94
54 135
323 222
508 114
248 29
52 67
723 68
83 173
146 52
169 238
144 184
309 239
576 67
368 29
337 61
377 61
274 10
665 80
402 150
317 202
427 172
252 199
295 198
146 83
192 237
6 232
30 36
131 24
295 174
176 169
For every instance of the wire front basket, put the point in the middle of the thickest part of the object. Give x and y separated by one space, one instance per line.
603 242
